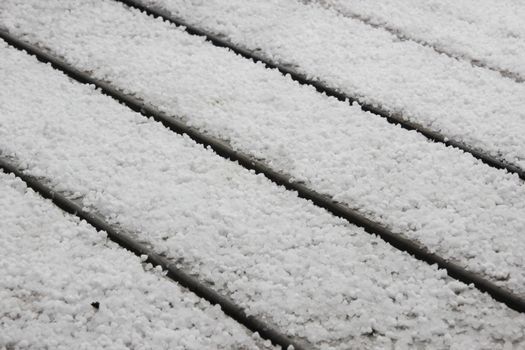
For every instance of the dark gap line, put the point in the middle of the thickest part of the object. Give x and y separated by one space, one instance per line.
224 150
301 78
127 242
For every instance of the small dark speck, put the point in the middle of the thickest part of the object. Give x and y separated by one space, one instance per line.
95 304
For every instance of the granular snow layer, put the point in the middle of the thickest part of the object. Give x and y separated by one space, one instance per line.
469 104
452 204
64 286
488 33
283 259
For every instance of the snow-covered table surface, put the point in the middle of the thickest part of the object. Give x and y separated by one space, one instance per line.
438 196
281 258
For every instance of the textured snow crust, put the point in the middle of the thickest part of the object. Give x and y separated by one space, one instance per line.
454 205
282 258
53 267
465 103
487 32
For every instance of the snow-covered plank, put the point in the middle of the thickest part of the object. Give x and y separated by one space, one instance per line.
452 204
281 258
471 105
485 32
64 286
